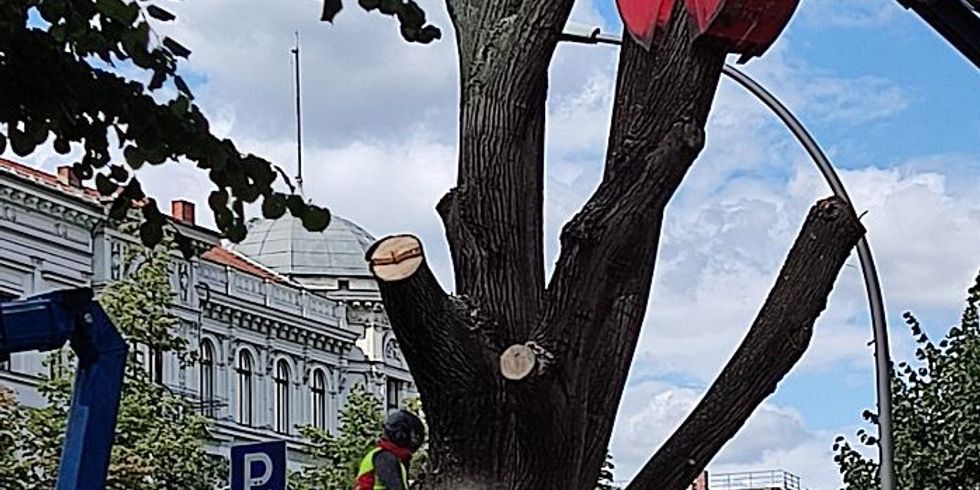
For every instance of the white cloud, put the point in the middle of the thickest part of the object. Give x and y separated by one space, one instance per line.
774 437
360 79
817 95
849 14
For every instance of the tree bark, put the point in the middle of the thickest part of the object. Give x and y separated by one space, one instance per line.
778 338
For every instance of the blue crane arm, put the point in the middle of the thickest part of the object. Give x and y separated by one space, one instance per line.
46 322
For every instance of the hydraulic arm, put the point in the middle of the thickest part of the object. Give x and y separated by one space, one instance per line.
46 322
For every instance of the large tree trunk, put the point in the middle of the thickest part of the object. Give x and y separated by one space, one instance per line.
521 380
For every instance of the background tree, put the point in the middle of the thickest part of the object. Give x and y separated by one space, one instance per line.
159 440
338 456
14 471
936 403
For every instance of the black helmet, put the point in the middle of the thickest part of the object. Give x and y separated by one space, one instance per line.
405 429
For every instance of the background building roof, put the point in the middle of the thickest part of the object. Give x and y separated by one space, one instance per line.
285 246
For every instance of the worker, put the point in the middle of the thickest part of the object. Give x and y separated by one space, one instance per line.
386 466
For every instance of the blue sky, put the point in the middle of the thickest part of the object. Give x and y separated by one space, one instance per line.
893 105
932 117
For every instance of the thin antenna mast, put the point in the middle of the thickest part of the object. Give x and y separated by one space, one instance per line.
299 122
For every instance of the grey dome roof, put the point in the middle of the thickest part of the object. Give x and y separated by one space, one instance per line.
284 246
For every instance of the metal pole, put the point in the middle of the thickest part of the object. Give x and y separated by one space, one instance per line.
880 328
299 122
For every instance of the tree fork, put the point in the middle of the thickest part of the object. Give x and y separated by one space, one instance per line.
476 409
775 342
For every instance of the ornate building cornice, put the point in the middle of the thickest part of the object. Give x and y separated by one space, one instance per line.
55 208
276 329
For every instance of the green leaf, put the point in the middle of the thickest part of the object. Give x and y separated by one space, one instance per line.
151 233
296 205
236 233
118 11
159 76
330 10
185 245
411 14
118 173
218 200
176 48
273 206
428 34
223 218
21 143
134 157
133 191
152 214
120 206
316 219
105 186
83 170
159 13
62 146
181 105
182 86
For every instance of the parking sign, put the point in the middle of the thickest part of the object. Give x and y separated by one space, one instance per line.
259 466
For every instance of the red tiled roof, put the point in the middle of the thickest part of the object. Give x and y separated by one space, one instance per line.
217 255
46 179
224 256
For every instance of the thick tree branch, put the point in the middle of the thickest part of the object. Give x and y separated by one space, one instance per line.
661 105
494 216
439 336
778 338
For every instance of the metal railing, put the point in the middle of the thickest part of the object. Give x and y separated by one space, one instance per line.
755 480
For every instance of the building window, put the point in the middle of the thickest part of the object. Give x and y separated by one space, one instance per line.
282 397
156 366
343 284
244 371
393 394
207 378
318 389
152 361
5 365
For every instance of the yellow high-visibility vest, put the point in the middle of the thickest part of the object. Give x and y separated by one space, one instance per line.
367 466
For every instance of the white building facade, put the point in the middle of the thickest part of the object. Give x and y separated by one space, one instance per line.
286 323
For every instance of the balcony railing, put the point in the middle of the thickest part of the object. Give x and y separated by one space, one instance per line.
755 480
282 297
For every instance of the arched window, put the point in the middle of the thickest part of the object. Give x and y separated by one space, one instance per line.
282 396
318 388
244 371
207 378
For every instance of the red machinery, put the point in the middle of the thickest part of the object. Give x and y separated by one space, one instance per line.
746 27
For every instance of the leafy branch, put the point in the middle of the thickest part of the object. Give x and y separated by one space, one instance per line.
410 16
52 87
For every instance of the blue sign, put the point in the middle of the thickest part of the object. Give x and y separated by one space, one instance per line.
259 466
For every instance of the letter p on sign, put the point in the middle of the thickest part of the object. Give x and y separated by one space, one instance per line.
259 466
